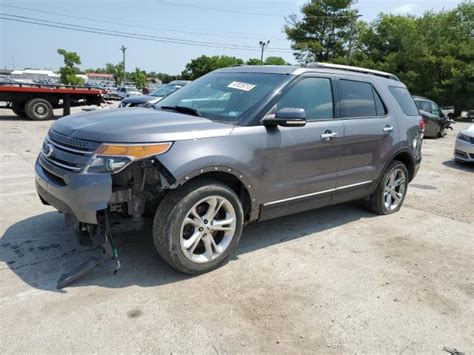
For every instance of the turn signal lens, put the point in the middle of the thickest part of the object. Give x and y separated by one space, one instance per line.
135 151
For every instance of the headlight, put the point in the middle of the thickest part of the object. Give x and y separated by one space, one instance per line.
463 137
114 157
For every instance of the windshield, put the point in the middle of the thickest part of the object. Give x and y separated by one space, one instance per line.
224 96
166 90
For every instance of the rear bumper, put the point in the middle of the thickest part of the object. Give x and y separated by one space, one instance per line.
81 195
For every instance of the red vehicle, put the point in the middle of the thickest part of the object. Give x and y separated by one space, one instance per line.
37 101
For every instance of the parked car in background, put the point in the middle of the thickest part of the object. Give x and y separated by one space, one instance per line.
468 115
155 96
127 91
237 145
464 147
448 111
435 120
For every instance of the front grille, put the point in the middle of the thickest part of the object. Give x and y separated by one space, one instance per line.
63 154
472 140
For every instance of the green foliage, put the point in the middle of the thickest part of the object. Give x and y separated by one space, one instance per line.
268 61
138 78
324 31
275 61
68 73
432 54
253 61
205 64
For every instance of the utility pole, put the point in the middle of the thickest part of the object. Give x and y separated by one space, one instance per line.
263 45
123 49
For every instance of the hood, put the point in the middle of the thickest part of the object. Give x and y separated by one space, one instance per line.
469 131
139 99
138 125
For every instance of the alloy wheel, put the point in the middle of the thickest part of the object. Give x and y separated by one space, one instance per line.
394 189
208 229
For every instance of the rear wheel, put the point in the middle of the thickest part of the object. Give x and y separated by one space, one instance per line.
39 109
197 227
390 194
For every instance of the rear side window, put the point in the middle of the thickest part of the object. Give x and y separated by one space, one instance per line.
405 100
360 99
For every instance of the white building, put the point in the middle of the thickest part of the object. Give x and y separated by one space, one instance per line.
33 74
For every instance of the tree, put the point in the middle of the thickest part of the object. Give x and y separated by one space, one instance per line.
275 61
138 78
253 61
325 31
205 64
68 73
432 54
268 61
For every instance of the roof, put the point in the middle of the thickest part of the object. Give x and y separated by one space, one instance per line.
100 75
35 72
313 67
416 97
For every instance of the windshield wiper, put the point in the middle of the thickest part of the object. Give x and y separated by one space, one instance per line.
183 109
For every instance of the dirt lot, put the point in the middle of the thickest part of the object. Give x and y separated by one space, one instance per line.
335 280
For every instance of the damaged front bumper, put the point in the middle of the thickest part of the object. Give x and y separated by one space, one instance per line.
81 195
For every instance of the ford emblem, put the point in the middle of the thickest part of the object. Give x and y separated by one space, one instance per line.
48 149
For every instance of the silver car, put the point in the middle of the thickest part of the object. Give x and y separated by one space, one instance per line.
464 148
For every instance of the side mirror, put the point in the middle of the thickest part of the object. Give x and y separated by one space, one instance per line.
287 117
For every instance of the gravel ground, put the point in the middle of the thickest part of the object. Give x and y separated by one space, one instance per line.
333 280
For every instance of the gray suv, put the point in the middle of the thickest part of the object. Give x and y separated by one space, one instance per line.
238 145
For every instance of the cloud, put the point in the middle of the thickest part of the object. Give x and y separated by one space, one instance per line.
406 9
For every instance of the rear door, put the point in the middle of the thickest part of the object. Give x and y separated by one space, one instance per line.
369 135
300 164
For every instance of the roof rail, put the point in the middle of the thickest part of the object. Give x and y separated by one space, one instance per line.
353 69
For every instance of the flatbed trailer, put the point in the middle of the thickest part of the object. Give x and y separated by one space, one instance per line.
37 101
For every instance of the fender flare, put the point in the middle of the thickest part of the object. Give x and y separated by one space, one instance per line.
410 168
246 183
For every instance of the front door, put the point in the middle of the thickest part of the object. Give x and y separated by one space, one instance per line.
302 162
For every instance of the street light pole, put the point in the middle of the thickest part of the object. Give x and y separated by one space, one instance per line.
123 49
263 45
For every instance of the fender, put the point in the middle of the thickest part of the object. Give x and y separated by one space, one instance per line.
411 168
199 170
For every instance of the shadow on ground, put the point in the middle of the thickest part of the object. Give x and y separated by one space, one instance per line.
459 166
41 248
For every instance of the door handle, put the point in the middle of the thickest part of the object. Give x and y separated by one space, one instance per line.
388 129
328 135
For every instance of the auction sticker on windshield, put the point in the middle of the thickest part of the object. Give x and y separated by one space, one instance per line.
241 86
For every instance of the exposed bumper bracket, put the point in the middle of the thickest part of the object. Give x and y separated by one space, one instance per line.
108 251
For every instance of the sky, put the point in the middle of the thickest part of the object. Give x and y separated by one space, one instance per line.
171 24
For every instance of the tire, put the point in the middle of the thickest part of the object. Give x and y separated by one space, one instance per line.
179 243
377 202
39 109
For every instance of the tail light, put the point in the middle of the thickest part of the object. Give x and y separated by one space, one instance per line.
422 124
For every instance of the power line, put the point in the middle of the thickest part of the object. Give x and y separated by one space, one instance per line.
244 36
207 8
218 9
121 34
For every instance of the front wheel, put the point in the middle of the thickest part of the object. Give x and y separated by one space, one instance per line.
390 194
197 226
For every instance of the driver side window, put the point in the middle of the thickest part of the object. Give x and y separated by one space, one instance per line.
314 95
